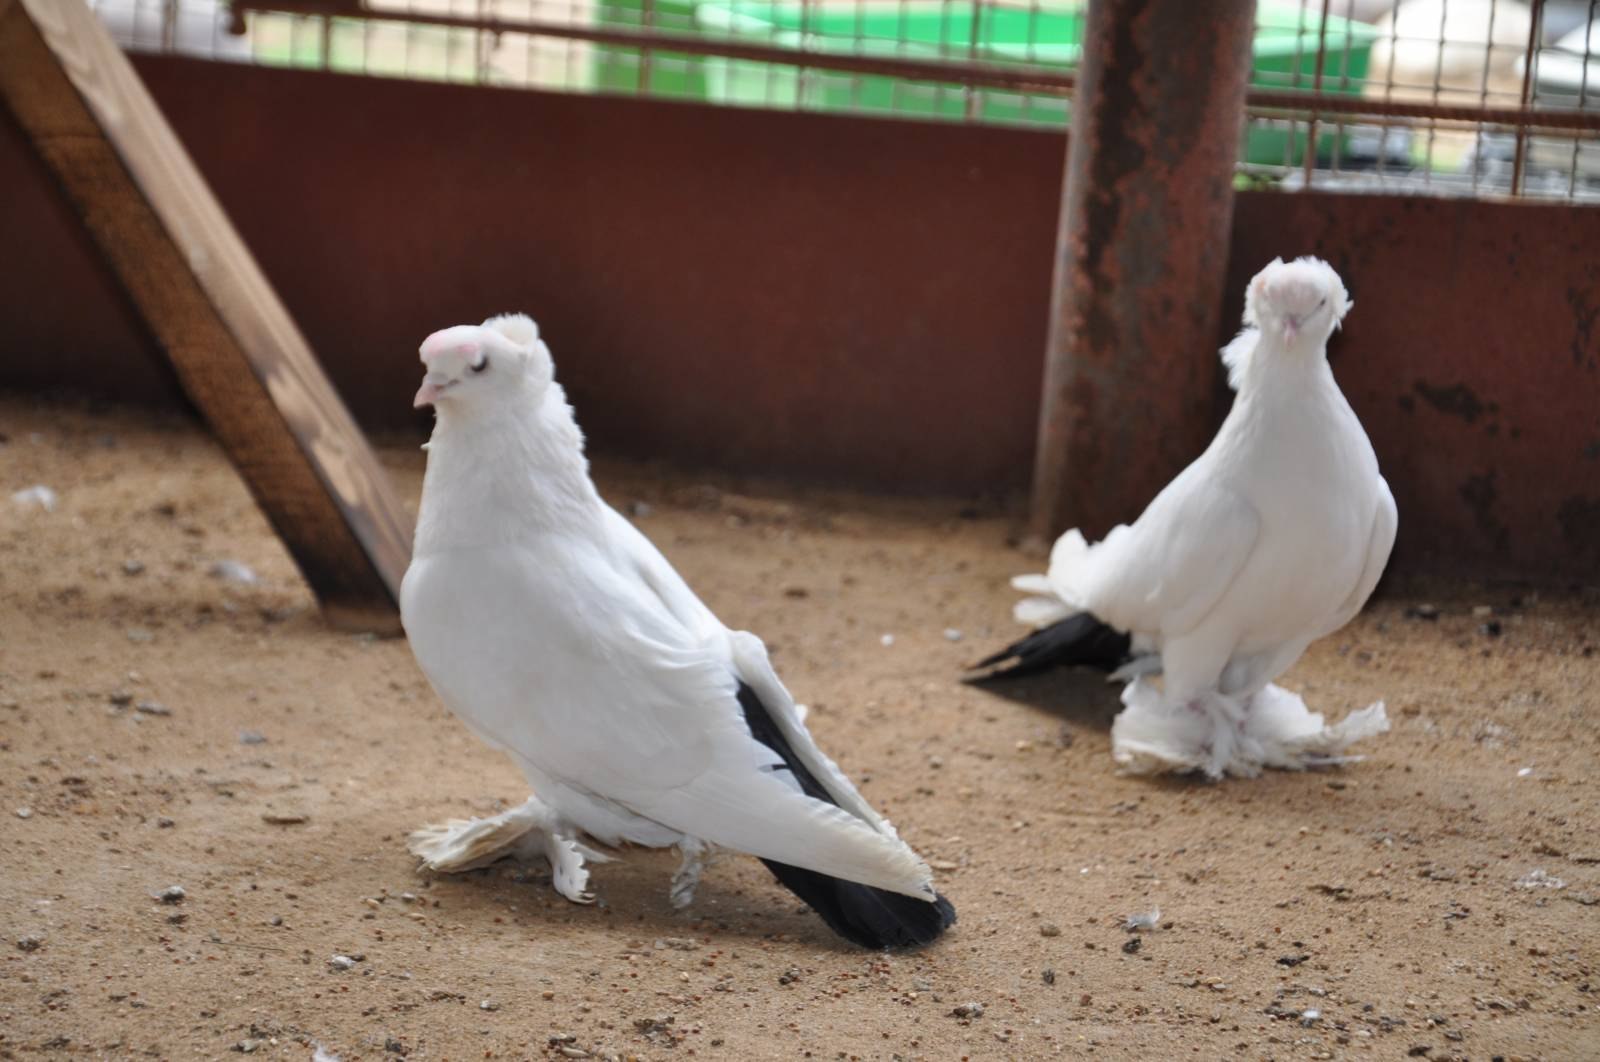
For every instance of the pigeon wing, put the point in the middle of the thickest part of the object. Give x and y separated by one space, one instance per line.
745 658
1380 542
1167 571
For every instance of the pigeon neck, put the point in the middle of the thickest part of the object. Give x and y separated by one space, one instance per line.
1276 363
496 478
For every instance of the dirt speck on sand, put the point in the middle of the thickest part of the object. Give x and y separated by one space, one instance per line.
1437 896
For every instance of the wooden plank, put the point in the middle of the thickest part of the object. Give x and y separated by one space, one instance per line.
236 350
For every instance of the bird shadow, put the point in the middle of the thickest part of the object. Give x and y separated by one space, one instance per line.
1074 695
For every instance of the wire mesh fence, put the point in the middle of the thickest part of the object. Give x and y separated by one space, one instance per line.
1450 97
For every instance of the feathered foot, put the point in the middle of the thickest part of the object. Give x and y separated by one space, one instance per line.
697 855
523 833
1285 734
1221 735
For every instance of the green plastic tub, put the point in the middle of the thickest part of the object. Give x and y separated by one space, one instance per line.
1050 35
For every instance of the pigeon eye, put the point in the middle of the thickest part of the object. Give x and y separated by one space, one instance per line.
1323 303
482 364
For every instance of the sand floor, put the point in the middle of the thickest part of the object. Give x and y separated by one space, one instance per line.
163 726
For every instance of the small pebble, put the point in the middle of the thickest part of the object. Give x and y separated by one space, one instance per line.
31 942
24 813
36 496
170 894
1047 975
1538 878
139 636
1423 612
1132 944
951 634
1049 929
121 698
152 708
232 571
252 737
165 823
488 1004
968 1010
886 640
132 567
342 962
1143 920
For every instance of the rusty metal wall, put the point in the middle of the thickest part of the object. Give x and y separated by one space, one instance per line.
837 299
731 287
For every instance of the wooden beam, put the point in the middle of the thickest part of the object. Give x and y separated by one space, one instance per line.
237 352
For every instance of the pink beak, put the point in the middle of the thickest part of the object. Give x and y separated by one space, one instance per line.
428 392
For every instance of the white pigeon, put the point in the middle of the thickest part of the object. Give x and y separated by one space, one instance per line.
558 633
1272 538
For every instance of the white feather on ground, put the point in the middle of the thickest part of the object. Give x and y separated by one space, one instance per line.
557 632
1272 538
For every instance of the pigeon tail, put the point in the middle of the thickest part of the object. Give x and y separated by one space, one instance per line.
1080 640
862 914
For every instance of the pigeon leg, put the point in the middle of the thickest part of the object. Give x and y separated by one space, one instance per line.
696 857
568 875
527 831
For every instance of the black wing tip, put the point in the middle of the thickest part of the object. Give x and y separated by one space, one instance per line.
866 916
871 917
1080 640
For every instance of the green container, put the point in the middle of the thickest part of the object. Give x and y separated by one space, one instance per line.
1285 56
627 71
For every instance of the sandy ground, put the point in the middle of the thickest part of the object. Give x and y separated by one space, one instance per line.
161 726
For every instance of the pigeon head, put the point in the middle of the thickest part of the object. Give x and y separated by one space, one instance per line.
1302 300
478 367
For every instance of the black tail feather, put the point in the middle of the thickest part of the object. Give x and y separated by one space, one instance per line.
1080 640
862 914
873 918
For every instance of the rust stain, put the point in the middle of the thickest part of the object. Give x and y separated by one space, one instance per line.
1480 495
1458 400
1580 523
1584 315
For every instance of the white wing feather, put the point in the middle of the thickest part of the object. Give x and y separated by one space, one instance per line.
1166 571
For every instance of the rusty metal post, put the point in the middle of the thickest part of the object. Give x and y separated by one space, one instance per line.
1143 245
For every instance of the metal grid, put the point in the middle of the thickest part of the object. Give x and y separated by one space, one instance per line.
1450 97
